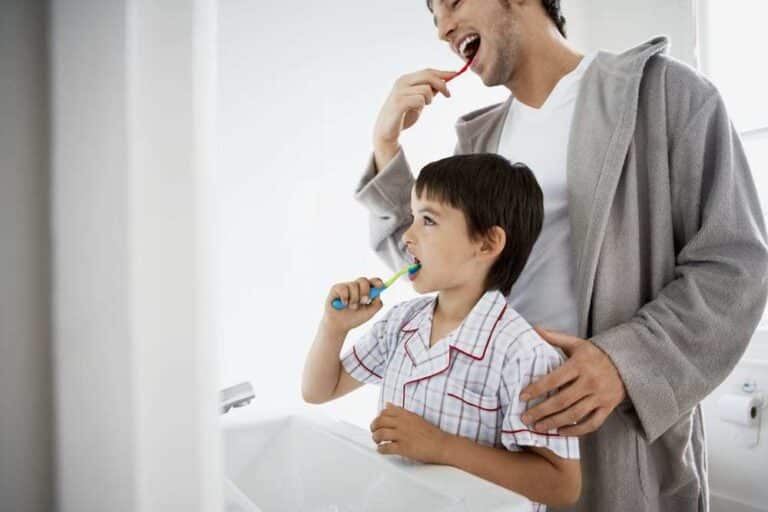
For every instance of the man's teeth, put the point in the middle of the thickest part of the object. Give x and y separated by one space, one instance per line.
466 42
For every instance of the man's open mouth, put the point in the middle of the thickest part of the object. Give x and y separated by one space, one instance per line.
469 46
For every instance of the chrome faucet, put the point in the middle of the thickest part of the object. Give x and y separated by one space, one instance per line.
236 396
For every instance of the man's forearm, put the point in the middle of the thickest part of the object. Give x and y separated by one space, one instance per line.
322 367
383 153
525 472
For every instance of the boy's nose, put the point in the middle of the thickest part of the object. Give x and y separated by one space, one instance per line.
406 237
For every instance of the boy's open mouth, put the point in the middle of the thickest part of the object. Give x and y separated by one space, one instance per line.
412 276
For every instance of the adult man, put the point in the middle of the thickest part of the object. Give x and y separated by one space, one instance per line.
653 253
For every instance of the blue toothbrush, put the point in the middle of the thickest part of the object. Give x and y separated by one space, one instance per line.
375 292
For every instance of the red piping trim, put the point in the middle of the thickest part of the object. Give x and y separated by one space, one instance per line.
403 328
405 344
513 432
474 405
354 351
451 348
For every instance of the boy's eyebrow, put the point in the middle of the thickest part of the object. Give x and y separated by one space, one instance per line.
427 209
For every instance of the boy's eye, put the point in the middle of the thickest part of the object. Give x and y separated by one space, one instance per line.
455 4
428 221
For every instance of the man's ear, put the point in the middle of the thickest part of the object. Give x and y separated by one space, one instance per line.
494 241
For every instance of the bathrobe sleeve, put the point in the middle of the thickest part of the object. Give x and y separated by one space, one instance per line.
681 345
387 197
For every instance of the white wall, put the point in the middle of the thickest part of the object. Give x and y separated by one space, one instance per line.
26 402
300 85
137 416
617 25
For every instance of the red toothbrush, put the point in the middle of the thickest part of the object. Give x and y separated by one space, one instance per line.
462 70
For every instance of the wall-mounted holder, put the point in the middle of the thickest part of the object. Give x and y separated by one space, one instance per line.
239 395
743 412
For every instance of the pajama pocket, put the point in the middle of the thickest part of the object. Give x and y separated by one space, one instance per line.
477 416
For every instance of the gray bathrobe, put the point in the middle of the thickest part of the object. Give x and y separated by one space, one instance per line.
669 243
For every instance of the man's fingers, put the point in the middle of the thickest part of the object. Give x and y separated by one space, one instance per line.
550 382
412 102
435 78
587 425
556 403
558 339
569 417
424 90
442 73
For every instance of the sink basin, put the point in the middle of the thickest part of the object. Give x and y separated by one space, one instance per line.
311 463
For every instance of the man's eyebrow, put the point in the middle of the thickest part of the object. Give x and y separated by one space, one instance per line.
431 7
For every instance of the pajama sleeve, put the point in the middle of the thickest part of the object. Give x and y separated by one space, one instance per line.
367 360
519 371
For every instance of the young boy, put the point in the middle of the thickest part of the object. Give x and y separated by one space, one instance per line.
451 367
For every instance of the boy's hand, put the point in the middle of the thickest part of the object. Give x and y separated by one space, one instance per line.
409 435
359 309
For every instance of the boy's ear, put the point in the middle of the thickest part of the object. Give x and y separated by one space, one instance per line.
494 241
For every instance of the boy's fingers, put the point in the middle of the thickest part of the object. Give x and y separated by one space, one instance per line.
383 422
384 434
392 448
354 294
342 292
364 290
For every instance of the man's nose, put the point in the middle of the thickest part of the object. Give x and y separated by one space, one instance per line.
445 26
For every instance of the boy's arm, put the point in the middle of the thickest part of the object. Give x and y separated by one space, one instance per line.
324 379
325 376
536 473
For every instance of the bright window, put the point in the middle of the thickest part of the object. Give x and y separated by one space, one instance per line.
732 44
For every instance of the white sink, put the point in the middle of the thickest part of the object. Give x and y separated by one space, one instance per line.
310 463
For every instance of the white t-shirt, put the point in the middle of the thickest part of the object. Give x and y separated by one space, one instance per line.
545 292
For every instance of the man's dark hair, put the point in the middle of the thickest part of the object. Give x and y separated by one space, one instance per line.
490 191
554 11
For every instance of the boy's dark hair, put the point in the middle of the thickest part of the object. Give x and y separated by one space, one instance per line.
490 191
552 7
